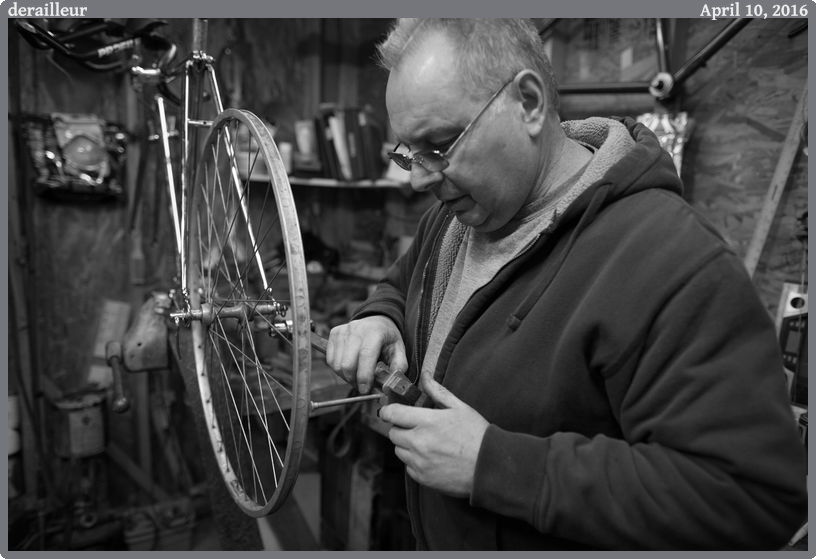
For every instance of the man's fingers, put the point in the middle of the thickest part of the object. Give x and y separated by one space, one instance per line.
346 361
403 455
331 348
355 348
367 359
395 354
440 395
335 349
400 437
406 417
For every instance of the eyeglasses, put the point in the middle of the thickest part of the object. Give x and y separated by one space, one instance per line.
434 160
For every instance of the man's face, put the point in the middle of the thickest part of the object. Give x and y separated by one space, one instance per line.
488 179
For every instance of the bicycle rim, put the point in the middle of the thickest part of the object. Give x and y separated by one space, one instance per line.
245 260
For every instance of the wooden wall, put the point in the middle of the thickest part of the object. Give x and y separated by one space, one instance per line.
77 251
742 102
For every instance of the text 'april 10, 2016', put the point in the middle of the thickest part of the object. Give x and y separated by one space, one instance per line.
754 10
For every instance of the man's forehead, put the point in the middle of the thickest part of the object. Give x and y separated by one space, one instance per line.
425 96
417 116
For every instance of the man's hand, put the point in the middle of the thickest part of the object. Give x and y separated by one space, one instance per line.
438 446
355 348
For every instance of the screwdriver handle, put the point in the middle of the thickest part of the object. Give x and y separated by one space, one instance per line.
394 385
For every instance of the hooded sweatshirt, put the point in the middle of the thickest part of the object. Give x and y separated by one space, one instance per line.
629 372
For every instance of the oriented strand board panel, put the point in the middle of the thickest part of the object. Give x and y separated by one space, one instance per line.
743 102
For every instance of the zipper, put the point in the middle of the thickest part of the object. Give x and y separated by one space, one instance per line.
419 321
526 248
422 294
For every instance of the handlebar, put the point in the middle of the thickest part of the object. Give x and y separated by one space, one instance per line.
128 37
64 42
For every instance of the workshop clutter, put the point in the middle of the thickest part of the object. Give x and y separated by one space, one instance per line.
75 156
79 427
165 526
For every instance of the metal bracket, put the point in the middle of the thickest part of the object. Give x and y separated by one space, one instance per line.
145 343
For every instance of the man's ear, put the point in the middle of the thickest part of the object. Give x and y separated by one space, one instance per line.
534 100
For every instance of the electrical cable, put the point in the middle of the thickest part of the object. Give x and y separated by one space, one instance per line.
339 429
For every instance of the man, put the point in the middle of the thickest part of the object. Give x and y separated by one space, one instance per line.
600 372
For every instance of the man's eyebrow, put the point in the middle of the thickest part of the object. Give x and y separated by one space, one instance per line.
442 135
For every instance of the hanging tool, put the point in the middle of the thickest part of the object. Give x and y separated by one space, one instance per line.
395 386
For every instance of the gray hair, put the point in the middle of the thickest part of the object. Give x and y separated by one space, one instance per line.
492 50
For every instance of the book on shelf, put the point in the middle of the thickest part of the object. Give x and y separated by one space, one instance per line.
350 143
328 153
371 141
337 124
355 144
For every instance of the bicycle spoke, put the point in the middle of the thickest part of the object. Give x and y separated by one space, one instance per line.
238 412
246 268
247 387
235 229
266 376
225 389
234 347
218 186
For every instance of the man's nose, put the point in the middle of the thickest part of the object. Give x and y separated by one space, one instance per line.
423 180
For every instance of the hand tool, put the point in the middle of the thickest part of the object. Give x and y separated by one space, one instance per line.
395 386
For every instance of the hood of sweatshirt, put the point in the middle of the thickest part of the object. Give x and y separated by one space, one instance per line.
628 160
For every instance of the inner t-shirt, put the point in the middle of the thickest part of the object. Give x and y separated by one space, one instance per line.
482 255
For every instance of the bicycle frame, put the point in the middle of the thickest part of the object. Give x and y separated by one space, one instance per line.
225 307
665 83
196 63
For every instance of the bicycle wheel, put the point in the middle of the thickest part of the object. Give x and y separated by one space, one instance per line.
246 278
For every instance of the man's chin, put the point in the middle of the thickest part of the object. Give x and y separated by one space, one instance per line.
476 221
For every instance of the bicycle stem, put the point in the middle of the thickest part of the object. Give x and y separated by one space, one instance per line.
199 34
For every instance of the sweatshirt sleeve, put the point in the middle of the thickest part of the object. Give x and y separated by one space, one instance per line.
710 457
